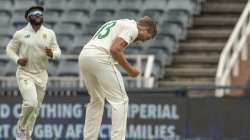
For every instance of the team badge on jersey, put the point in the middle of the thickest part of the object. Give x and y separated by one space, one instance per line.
27 36
44 36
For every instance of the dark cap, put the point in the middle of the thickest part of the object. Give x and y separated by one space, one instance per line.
33 8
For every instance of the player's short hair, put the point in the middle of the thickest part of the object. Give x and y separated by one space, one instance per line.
147 21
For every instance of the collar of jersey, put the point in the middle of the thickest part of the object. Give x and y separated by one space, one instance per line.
29 27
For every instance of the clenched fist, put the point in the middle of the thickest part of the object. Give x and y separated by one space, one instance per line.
49 52
22 61
134 72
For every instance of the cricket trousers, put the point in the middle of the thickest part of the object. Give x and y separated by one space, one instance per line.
32 95
103 82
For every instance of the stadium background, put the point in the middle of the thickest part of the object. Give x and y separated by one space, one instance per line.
175 96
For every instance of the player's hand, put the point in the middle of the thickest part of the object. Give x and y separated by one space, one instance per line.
22 61
133 72
49 52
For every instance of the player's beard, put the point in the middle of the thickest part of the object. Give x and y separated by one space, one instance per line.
35 23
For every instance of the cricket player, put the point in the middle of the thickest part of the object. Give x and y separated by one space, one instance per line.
30 48
103 81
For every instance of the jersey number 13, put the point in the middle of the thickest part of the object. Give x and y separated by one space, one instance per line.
105 30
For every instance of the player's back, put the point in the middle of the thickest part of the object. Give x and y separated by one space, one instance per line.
106 34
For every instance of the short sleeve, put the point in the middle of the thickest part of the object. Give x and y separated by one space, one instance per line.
129 35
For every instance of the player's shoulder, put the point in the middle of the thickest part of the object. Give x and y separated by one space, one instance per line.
129 24
48 30
19 32
127 21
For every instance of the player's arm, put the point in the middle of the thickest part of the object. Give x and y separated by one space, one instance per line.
53 51
116 51
248 40
12 48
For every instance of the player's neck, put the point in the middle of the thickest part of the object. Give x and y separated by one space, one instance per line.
36 27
